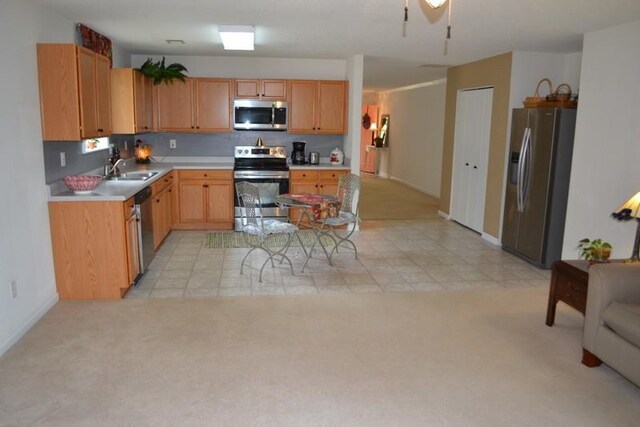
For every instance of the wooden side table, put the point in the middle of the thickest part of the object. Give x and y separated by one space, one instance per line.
569 281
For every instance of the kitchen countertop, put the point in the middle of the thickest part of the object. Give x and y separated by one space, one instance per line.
123 190
320 166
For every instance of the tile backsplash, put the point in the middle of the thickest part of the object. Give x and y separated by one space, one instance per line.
187 145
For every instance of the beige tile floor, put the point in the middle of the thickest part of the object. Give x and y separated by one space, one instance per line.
393 256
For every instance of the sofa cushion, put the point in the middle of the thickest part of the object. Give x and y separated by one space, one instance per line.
624 320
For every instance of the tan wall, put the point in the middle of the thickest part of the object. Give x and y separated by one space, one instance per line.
495 72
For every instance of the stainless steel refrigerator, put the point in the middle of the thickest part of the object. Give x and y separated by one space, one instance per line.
538 183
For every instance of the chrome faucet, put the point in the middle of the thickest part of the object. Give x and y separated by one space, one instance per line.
113 170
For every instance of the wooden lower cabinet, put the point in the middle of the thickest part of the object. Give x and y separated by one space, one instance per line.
93 249
205 199
317 181
133 242
162 208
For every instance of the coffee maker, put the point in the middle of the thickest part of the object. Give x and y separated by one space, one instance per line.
297 155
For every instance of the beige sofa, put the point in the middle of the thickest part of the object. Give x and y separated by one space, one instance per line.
612 319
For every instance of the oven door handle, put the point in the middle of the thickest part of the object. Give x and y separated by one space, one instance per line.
261 175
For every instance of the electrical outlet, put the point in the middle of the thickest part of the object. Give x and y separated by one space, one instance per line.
126 145
63 159
172 144
14 289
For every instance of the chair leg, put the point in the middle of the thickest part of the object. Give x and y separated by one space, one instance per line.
274 254
253 248
319 233
299 241
342 240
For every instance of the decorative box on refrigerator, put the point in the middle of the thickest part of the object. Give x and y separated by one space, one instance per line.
538 183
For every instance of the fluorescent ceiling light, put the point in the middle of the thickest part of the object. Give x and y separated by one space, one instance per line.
237 37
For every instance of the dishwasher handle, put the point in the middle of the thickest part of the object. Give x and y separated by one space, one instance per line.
142 195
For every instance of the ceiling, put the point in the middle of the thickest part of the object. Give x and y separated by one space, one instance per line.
396 54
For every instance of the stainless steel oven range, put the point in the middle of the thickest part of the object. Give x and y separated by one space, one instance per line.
267 168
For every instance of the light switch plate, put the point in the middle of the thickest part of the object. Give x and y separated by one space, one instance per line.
63 159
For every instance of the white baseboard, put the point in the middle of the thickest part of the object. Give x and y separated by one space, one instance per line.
32 320
489 238
408 184
443 214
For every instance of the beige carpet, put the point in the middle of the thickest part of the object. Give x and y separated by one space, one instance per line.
384 199
467 358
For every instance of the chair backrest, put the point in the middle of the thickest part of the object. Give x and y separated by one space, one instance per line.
349 193
250 204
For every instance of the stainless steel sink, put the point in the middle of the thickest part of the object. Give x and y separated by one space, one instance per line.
133 176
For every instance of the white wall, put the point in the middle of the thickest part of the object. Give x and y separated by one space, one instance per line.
121 58
416 134
355 67
528 68
25 245
246 67
606 153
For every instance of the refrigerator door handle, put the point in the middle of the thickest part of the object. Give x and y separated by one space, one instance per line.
520 171
526 167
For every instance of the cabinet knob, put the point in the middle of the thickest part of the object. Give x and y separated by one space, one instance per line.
475 167
466 164
205 174
166 180
257 94
197 127
157 200
206 185
146 127
100 130
192 127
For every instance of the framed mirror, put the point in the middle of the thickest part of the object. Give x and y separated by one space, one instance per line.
383 134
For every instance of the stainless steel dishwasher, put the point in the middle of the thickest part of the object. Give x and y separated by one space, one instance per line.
145 227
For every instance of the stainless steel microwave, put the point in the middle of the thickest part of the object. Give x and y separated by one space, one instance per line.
249 114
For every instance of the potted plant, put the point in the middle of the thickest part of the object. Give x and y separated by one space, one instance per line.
161 73
595 250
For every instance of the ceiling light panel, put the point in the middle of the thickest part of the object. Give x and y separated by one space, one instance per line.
237 37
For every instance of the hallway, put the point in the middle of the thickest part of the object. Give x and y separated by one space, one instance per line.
386 199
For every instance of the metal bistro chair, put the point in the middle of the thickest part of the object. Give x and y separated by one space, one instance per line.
349 195
258 231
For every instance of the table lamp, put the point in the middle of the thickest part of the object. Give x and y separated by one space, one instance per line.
373 129
631 209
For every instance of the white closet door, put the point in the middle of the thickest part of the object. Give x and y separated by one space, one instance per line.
471 156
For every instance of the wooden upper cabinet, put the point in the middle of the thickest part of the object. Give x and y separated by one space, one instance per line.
317 106
132 101
213 105
198 105
74 92
103 94
331 112
88 96
151 112
175 106
302 104
261 89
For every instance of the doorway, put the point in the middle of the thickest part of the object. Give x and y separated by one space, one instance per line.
471 156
